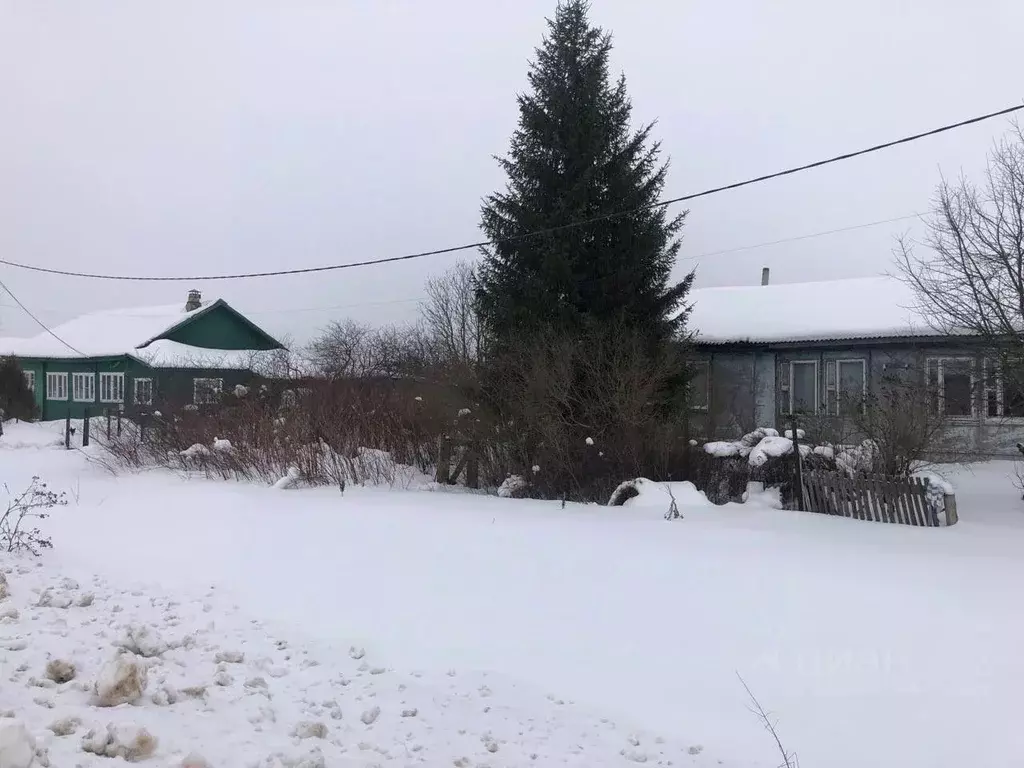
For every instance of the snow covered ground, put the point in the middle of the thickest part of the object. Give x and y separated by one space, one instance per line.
586 636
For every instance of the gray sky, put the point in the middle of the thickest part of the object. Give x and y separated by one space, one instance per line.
225 135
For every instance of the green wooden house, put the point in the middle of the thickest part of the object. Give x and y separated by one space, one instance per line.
138 359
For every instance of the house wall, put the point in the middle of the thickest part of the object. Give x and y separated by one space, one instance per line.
741 393
978 434
221 328
170 385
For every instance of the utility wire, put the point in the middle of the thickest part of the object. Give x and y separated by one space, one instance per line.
802 237
388 302
41 324
536 233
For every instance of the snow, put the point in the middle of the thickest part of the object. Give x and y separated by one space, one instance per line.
868 307
133 332
587 636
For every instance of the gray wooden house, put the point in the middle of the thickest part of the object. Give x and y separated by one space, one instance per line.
819 349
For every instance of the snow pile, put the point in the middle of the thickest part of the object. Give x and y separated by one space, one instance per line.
642 492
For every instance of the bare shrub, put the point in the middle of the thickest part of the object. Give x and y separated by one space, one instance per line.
328 432
18 530
903 422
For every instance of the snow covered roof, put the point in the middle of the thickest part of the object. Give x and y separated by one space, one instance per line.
861 308
135 332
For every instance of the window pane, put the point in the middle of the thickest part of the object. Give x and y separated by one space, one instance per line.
851 386
804 387
956 387
699 386
1013 397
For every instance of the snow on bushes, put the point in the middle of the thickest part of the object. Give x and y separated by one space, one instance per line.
514 487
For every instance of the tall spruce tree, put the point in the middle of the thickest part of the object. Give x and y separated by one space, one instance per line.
573 158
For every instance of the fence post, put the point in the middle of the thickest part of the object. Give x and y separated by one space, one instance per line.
949 501
444 460
119 422
108 423
142 427
67 430
798 477
85 428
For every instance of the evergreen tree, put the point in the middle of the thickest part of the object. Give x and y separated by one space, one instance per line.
575 157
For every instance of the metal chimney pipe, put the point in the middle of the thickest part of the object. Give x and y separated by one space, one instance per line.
765 275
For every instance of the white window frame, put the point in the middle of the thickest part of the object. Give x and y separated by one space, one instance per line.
30 381
706 366
996 380
837 394
817 385
60 378
218 388
135 391
111 387
940 381
88 387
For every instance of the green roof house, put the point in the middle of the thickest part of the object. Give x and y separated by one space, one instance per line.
136 359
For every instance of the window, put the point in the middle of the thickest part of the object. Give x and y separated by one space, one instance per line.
30 381
951 383
56 386
143 391
111 387
803 386
206 391
83 387
700 380
846 384
1004 395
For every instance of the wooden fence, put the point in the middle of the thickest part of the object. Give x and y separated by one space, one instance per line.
881 499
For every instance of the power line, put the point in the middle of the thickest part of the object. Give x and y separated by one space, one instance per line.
802 237
388 302
38 321
536 233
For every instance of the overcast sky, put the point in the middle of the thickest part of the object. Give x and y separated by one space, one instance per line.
223 135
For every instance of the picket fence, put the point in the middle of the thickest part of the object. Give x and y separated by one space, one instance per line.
881 499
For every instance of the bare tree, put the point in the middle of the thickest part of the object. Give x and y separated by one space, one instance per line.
450 315
971 280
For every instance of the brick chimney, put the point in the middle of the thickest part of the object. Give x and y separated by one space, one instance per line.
195 301
765 275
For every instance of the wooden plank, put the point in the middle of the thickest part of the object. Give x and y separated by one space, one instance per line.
812 492
923 501
897 495
850 509
861 498
878 497
914 511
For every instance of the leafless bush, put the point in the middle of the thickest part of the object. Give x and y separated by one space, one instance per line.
903 421
338 432
18 529
789 759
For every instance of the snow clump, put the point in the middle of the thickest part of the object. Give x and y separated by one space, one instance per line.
194 451
128 742
17 747
224 446
122 681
